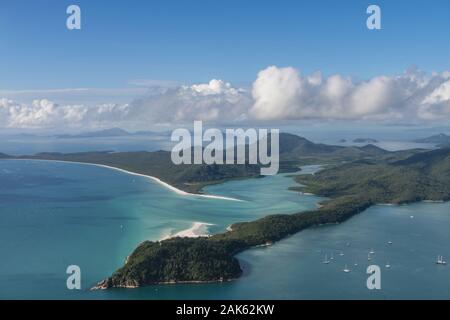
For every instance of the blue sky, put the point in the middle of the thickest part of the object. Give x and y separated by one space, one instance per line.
195 41
223 61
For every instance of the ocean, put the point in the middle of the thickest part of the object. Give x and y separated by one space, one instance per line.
53 215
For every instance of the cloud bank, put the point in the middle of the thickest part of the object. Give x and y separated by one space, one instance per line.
283 94
277 94
45 114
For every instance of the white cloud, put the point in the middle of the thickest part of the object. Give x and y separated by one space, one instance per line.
436 105
47 114
87 96
283 94
439 95
277 94
216 101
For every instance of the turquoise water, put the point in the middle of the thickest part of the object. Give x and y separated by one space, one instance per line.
53 215
57 214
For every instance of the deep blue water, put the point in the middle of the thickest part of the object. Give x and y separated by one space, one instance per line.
53 215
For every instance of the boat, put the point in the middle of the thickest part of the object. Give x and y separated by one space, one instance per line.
387 265
356 264
371 251
332 257
341 254
326 261
369 257
440 260
389 242
346 270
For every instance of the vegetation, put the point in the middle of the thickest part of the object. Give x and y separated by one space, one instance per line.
190 178
351 187
354 179
294 151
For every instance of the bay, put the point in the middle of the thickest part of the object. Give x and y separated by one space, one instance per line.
56 214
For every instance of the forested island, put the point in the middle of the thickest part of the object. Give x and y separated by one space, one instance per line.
353 179
351 187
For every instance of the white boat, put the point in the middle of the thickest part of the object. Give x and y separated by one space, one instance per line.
346 270
332 257
387 265
326 261
389 242
440 260
369 257
356 264
371 251
341 254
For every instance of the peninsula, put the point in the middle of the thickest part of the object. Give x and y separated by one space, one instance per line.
354 179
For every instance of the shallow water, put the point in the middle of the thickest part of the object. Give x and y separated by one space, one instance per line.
53 215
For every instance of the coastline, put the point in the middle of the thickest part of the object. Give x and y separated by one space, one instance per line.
198 229
103 285
157 180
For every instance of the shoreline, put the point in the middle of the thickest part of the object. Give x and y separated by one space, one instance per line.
155 179
197 230
103 286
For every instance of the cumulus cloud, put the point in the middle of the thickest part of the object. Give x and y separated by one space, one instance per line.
283 94
277 94
436 105
47 114
216 101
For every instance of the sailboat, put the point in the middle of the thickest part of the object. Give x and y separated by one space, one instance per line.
326 261
440 260
346 269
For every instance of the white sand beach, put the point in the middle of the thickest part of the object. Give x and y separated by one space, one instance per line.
198 229
159 181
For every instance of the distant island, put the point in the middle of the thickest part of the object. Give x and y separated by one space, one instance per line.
365 140
294 152
441 140
354 179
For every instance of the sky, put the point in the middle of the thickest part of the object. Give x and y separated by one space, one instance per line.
126 47
198 40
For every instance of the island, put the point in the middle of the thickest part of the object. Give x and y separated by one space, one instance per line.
441 140
351 188
365 140
352 180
